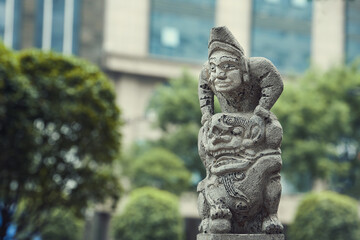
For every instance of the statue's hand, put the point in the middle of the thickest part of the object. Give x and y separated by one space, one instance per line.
206 117
257 129
262 112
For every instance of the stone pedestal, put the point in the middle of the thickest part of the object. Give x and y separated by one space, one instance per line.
204 236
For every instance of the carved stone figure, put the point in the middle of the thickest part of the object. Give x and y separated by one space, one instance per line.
240 147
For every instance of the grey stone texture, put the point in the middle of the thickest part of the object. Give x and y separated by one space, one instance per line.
239 147
240 237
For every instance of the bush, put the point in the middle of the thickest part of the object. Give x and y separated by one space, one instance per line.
62 225
150 214
161 169
326 216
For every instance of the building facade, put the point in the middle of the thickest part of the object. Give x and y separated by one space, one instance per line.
65 26
147 42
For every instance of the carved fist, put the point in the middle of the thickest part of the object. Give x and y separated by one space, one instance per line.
262 112
206 117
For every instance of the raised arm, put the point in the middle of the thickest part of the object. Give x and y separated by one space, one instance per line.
269 80
206 95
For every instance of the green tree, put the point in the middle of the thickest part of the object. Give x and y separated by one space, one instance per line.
149 214
178 115
62 225
326 216
59 136
161 169
320 116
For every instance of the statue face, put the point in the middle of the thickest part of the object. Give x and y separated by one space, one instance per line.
225 71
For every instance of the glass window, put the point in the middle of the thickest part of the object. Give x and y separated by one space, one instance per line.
352 31
2 19
10 23
282 33
179 29
57 25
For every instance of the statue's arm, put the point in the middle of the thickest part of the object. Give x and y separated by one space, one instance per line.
269 80
206 95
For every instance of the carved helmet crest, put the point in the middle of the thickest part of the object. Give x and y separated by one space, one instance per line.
222 38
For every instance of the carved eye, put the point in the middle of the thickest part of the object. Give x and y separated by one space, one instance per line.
212 67
216 131
229 66
237 131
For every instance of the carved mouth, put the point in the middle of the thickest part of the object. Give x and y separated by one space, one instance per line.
229 161
225 152
226 160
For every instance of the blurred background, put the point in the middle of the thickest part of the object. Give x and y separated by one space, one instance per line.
152 52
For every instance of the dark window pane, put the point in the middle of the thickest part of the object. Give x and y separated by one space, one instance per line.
76 28
281 32
180 29
2 19
57 34
39 23
17 24
352 30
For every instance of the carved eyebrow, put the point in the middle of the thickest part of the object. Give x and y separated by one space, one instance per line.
212 58
227 58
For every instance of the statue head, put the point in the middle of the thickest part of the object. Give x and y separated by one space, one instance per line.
223 141
228 66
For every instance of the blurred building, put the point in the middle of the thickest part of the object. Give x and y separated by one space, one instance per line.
149 41
66 26
142 43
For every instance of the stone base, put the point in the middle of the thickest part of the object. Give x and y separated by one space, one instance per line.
203 236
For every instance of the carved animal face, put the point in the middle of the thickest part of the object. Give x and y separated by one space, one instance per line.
223 142
225 74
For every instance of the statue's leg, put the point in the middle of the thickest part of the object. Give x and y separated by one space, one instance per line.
204 212
271 223
220 217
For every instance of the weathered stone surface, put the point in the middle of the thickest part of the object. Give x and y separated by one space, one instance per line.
240 147
240 237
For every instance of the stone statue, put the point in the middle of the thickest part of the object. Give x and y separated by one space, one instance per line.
239 147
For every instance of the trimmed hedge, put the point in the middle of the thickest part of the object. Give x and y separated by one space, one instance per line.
150 214
326 216
161 169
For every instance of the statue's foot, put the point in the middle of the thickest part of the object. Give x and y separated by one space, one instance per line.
220 220
220 212
220 225
272 225
204 226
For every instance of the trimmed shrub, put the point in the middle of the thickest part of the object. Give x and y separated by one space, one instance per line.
150 214
62 225
161 169
326 216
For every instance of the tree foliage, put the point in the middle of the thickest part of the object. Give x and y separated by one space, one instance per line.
62 225
150 214
319 112
59 130
178 115
320 116
161 169
176 103
324 216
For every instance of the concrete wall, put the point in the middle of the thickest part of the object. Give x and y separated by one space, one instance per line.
126 27
133 94
328 33
236 15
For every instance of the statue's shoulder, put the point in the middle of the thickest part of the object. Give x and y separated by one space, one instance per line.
260 66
